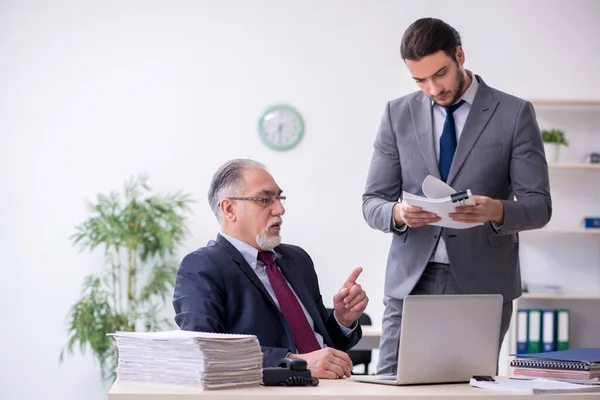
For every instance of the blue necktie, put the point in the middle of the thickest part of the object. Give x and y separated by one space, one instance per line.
448 141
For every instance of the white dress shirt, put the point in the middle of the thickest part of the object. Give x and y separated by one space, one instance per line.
440 254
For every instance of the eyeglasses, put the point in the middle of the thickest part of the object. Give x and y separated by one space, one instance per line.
265 201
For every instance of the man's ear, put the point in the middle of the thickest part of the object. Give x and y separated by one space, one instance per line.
460 55
228 209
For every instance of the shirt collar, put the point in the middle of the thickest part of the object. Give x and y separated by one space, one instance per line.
249 253
469 94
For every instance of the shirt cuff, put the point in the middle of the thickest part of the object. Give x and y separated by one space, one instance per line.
396 228
346 331
497 227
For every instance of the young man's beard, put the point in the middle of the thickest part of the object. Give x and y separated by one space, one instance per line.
460 77
460 85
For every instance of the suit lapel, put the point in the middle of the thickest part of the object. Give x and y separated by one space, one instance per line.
420 111
482 109
291 274
237 257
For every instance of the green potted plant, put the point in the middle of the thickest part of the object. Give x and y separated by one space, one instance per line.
138 235
553 139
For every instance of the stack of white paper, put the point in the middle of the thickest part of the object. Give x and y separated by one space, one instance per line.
205 360
534 386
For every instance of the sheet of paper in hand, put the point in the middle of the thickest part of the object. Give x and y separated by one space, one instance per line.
441 199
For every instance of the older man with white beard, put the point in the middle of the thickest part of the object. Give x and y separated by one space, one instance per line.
247 282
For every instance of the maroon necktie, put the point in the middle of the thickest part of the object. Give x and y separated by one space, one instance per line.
304 336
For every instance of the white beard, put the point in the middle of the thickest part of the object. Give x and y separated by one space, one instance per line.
266 242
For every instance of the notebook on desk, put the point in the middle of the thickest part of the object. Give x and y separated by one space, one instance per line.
579 365
444 339
581 355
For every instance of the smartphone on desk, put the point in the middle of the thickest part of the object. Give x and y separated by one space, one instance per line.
289 372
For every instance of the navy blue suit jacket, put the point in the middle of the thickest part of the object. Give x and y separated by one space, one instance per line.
217 291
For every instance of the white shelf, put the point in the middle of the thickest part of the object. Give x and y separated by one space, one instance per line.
574 166
561 296
565 103
578 231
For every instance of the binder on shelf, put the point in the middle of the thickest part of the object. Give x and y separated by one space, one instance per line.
534 325
522 334
563 320
548 330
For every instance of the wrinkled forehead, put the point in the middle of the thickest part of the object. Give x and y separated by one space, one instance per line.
260 182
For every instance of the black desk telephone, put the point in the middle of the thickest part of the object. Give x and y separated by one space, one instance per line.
289 372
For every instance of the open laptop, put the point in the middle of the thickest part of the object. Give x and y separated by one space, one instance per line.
445 338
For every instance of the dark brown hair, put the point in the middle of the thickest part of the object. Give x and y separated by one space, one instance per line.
426 36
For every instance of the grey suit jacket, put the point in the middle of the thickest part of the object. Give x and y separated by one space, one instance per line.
500 155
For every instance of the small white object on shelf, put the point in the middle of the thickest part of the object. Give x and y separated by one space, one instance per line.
552 151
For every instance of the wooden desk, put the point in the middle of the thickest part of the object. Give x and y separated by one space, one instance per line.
370 338
340 389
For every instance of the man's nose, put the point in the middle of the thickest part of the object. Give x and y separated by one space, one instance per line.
434 88
278 208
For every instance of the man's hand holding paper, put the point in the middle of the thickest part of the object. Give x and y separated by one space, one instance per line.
413 216
486 209
443 206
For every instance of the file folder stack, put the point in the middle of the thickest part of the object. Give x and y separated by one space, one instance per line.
204 360
542 330
575 365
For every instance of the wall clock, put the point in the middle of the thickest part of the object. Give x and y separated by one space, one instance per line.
280 127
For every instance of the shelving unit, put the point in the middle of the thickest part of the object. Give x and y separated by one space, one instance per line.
567 105
561 296
575 166
574 231
564 253
584 317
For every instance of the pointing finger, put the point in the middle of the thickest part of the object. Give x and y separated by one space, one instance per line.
352 278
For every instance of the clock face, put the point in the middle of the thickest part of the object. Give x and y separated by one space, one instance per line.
280 127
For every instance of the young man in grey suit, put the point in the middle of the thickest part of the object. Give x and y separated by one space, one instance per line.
472 136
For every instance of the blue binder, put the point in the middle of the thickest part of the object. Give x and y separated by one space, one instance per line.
548 330
522 330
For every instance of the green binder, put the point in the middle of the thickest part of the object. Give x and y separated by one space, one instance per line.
563 319
534 331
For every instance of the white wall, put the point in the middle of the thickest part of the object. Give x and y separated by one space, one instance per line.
93 92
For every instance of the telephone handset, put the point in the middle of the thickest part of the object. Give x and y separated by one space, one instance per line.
289 372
